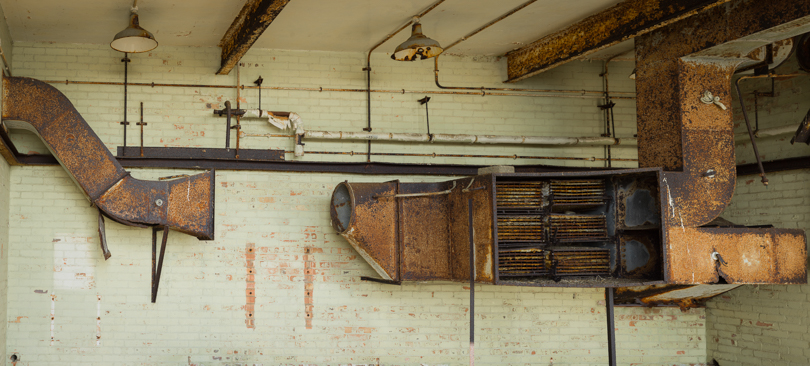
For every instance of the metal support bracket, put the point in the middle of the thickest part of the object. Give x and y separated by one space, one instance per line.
380 280
156 270
102 234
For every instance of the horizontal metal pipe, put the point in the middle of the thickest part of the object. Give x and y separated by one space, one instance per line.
435 155
550 93
766 132
469 139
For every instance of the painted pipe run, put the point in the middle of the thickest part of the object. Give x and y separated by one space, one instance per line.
469 139
766 132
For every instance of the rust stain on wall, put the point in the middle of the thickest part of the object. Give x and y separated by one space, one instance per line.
309 286
250 285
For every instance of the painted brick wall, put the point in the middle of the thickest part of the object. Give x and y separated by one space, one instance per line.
767 325
182 117
5 189
278 286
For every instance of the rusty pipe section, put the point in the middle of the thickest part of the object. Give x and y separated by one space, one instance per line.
185 205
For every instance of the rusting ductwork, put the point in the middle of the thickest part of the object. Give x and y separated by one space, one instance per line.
641 227
184 205
594 229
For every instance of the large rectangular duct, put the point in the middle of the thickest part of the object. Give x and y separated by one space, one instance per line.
589 229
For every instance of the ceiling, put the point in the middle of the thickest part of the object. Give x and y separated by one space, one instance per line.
322 25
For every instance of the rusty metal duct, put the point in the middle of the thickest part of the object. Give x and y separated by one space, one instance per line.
185 205
645 227
578 229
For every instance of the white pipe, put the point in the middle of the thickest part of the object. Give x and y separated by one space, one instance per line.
766 132
469 139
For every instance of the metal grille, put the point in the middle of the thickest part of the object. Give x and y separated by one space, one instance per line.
521 262
577 228
520 195
572 193
518 229
580 261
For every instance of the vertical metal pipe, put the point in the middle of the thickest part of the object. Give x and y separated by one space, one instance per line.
228 125
238 106
125 60
611 327
472 281
368 103
141 124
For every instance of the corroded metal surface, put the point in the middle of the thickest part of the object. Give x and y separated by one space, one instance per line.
7 149
185 205
748 255
640 254
702 190
426 251
246 28
621 22
657 67
191 205
420 235
64 131
478 188
684 296
369 224
117 201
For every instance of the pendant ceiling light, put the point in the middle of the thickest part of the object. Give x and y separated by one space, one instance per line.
417 46
134 39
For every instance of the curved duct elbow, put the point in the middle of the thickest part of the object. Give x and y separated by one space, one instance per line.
185 205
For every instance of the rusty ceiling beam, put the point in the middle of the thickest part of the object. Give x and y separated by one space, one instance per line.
619 23
251 22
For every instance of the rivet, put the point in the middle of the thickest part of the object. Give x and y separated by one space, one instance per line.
159 202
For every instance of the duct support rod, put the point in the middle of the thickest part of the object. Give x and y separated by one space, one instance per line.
764 179
6 69
611 327
472 279
470 139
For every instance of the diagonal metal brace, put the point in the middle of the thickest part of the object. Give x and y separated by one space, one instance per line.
102 234
156 271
